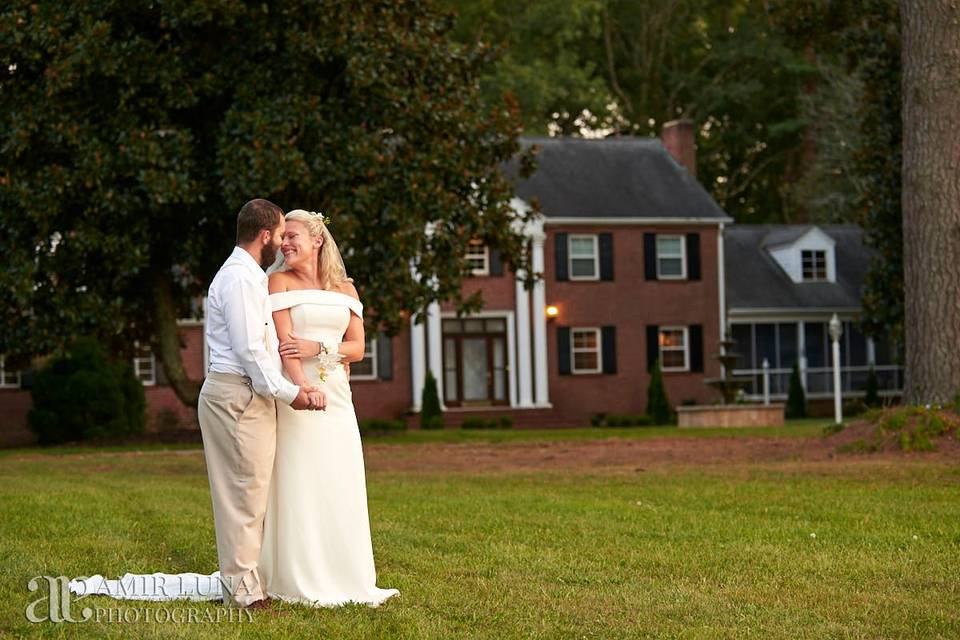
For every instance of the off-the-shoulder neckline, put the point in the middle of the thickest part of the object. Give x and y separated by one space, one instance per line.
339 293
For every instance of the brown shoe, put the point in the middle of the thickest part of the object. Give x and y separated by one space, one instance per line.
260 604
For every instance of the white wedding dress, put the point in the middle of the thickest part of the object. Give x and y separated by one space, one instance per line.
316 548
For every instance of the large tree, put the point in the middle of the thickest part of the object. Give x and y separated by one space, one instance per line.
931 198
133 131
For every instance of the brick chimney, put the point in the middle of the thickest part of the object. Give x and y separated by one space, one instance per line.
678 137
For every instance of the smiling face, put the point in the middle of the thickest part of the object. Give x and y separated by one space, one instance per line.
270 244
298 246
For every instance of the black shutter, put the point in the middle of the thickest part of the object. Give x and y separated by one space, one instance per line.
384 357
653 345
496 262
650 256
560 255
563 349
696 347
608 344
605 241
693 256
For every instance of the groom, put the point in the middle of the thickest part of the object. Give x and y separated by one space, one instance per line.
237 406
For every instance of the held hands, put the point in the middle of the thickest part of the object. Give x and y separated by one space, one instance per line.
310 398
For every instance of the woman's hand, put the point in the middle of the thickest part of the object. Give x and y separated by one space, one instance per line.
318 400
296 347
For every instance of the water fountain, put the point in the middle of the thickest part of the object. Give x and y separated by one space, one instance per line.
730 413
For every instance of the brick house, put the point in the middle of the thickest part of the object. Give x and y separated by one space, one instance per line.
631 249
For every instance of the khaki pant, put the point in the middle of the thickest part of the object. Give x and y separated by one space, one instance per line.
239 429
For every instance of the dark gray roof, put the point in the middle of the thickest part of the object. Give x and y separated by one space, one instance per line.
612 177
755 281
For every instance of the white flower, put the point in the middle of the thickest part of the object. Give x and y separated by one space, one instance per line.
813 535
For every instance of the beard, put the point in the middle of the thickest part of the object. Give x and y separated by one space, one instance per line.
268 254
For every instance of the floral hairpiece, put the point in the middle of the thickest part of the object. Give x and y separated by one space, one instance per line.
324 219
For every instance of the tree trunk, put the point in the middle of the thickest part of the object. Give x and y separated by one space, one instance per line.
168 343
931 199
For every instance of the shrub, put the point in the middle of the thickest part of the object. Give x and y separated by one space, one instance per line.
658 407
796 398
629 420
430 415
82 395
871 396
598 420
371 426
477 422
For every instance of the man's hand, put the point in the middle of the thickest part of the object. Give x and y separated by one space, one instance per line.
296 347
309 398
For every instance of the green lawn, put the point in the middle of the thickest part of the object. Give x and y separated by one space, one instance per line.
853 548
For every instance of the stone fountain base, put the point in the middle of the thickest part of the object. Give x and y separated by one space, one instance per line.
731 415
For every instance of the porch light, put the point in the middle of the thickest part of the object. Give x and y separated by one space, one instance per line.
552 311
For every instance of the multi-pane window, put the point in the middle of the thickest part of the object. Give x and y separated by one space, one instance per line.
366 369
671 262
585 350
478 258
8 379
674 349
145 366
584 258
814 265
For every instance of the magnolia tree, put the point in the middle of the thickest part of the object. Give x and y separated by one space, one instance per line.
134 131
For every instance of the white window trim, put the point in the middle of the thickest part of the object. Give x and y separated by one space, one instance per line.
686 349
137 361
574 350
485 270
683 256
374 366
4 374
826 265
596 256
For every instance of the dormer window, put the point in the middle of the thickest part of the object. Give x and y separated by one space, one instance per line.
814 265
806 254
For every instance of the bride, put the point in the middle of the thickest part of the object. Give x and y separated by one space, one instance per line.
316 541
316 547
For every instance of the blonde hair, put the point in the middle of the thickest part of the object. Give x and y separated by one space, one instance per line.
330 270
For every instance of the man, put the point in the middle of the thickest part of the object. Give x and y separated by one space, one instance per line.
237 406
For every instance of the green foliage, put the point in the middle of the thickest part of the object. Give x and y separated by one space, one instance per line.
377 426
82 396
658 406
477 422
908 428
623 420
871 396
796 397
430 415
133 133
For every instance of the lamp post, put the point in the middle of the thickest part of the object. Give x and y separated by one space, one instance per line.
836 330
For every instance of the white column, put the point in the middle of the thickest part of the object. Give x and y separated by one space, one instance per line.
418 362
539 303
524 372
434 346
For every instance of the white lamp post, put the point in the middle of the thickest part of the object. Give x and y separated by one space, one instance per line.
836 330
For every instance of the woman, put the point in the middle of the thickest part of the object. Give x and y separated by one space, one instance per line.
316 545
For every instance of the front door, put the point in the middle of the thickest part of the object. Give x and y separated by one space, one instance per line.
475 362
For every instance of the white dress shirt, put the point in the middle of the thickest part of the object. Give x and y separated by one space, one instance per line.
240 330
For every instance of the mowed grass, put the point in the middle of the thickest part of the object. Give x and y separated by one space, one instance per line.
857 547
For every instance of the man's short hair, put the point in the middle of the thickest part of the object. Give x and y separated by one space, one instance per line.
254 217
